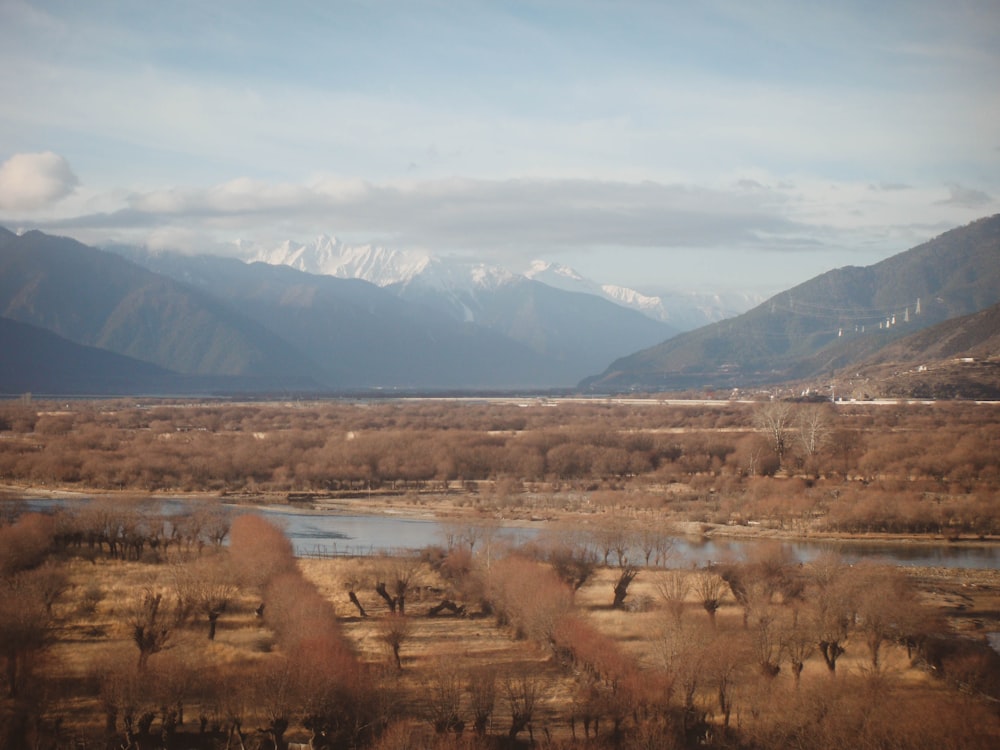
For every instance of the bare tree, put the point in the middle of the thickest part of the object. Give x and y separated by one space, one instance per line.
685 651
885 608
626 574
395 577
482 688
443 697
709 587
216 525
25 628
616 536
574 566
815 425
674 587
774 419
394 630
353 579
655 543
151 621
523 693
573 562
767 641
205 588
799 642
834 607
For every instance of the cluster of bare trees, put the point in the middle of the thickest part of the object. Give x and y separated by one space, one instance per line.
749 653
129 527
728 453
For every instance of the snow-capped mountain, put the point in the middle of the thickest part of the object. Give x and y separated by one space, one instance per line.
685 310
328 256
459 282
577 330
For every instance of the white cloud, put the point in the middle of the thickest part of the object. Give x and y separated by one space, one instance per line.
462 214
967 197
32 181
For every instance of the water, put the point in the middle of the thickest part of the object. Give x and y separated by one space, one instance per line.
321 534
324 533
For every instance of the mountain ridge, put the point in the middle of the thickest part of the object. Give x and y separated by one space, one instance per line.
97 298
826 322
457 278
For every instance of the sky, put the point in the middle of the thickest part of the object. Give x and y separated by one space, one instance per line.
715 145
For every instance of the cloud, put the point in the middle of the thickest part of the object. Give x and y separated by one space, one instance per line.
889 187
32 181
965 197
462 214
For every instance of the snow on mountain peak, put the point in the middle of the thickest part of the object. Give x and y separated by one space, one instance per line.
539 270
327 256
457 278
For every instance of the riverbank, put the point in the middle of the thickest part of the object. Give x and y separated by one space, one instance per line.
470 508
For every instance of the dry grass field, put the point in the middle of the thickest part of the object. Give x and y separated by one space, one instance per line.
92 653
121 629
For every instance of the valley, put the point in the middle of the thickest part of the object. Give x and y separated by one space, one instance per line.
192 586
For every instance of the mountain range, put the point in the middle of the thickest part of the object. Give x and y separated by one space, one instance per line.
77 319
824 324
224 324
462 288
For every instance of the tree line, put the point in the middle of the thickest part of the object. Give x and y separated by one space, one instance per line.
747 653
853 468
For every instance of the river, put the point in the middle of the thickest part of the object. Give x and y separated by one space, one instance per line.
325 533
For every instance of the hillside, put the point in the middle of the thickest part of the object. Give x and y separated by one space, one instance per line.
361 335
36 360
959 358
578 332
40 362
98 299
828 322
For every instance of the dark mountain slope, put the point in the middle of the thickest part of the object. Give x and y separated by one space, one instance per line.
826 322
581 331
38 361
96 298
363 335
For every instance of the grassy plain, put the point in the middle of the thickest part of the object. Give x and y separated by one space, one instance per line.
630 676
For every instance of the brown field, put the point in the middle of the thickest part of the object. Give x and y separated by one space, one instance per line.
104 617
88 644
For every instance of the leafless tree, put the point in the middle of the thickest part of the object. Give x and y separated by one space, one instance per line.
835 607
25 628
523 694
767 640
886 608
394 579
151 619
655 543
353 579
799 641
709 587
573 563
482 688
205 588
674 586
685 650
815 425
626 574
394 630
775 420
443 696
